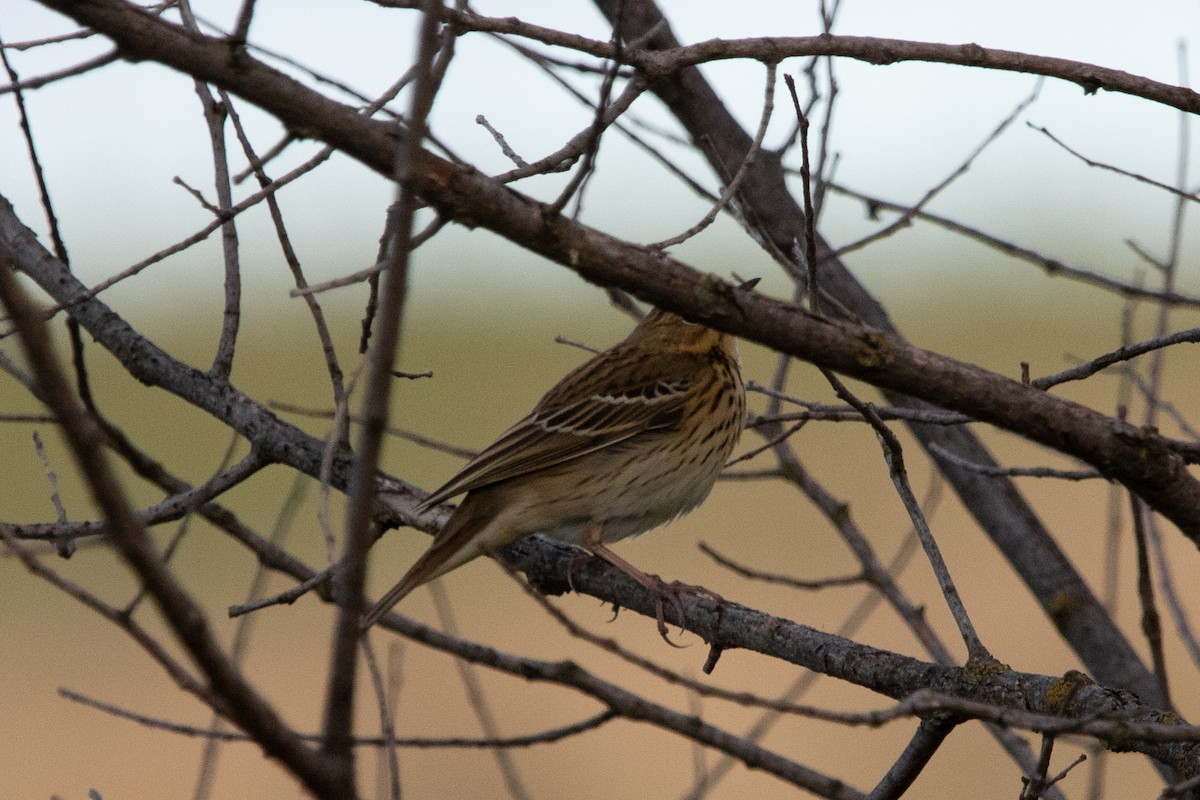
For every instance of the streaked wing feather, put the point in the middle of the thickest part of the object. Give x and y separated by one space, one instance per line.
553 434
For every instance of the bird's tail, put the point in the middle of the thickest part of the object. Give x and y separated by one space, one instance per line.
457 543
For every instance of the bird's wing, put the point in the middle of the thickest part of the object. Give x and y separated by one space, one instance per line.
563 427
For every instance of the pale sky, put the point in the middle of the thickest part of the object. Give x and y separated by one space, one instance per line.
112 141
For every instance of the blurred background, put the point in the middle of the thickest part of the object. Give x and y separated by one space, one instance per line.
483 316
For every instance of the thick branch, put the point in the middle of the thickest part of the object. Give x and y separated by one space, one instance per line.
995 502
898 676
873 50
1140 459
245 706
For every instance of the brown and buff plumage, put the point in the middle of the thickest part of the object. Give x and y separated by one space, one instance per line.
624 443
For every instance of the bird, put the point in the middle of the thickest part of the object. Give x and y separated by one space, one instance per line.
624 443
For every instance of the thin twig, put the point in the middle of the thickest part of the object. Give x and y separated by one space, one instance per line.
39 419
743 169
1051 266
1027 472
780 436
1035 783
286 597
51 479
845 413
1171 594
476 697
549 736
810 230
1151 623
1180 193
562 159
399 433
389 756
336 378
894 455
929 736
167 510
215 115
339 696
599 124
785 580
1123 353
509 153
907 215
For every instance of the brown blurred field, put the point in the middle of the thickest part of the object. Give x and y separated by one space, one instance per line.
488 370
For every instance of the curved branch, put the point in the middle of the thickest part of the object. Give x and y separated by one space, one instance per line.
991 694
246 707
729 627
995 502
169 509
871 49
1141 460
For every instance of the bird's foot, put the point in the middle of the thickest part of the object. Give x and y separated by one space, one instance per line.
664 592
673 593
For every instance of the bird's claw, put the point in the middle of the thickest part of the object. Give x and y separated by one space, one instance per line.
674 592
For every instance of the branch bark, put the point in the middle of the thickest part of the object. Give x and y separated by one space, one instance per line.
239 699
994 501
1141 460
547 563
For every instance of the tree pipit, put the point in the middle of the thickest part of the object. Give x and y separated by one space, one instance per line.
624 443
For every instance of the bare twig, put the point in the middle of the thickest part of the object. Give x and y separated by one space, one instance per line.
785 580
545 737
215 115
1123 353
169 509
1151 623
1170 591
578 145
1166 187
239 699
286 597
1028 472
38 419
591 145
731 188
893 454
476 697
399 433
907 215
52 480
389 756
810 230
336 378
930 734
339 698
509 153
1051 266
1039 784
780 435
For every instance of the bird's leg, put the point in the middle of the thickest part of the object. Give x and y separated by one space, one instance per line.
671 591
